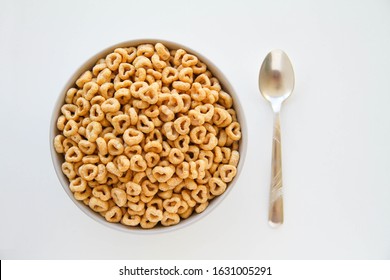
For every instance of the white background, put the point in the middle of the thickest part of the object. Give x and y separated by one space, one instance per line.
335 126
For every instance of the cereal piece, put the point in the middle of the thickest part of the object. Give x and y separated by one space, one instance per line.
113 215
227 172
119 196
233 131
170 219
153 214
98 205
217 186
130 220
137 163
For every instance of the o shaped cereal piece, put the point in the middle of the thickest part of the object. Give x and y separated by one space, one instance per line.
152 111
169 75
149 189
145 50
78 185
83 195
68 170
125 71
137 163
170 219
87 147
151 95
182 143
178 57
153 214
133 189
115 147
227 172
119 196
113 169
163 174
73 154
157 62
98 205
169 131
113 60
104 76
123 95
70 128
102 146
196 118
162 51
144 124
140 75
225 99
130 220
58 140
96 113
90 89
84 78
166 114
234 158
182 125
183 170
137 88
153 146
83 106
152 159
102 192
90 159
172 205
210 142
175 156
198 134
133 150
113 215
233 131
142 62
122 162
146 224
217 186
88 171
201 207
189 60
207 110
204 80
132 136
208 156
181 86
111 105
136 206
61 121
107 90
121 123
101 176
69 111
200 194
186 75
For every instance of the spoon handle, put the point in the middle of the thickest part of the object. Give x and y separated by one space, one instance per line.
275 215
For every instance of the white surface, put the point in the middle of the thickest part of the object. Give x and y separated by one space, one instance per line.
335 126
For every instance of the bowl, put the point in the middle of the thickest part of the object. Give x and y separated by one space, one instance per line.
58 159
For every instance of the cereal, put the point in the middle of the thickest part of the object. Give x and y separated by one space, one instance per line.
148 136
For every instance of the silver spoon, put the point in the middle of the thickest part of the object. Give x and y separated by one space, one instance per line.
276 83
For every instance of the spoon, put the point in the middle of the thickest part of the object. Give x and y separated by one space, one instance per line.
276 83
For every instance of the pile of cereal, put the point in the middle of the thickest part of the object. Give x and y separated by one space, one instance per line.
148 136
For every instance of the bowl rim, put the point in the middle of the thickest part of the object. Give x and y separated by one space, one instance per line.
86 65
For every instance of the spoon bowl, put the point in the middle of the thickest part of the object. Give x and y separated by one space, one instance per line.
276 78
276 83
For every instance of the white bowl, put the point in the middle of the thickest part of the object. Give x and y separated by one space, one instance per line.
58 159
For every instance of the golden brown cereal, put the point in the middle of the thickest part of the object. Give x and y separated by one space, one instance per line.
148 136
